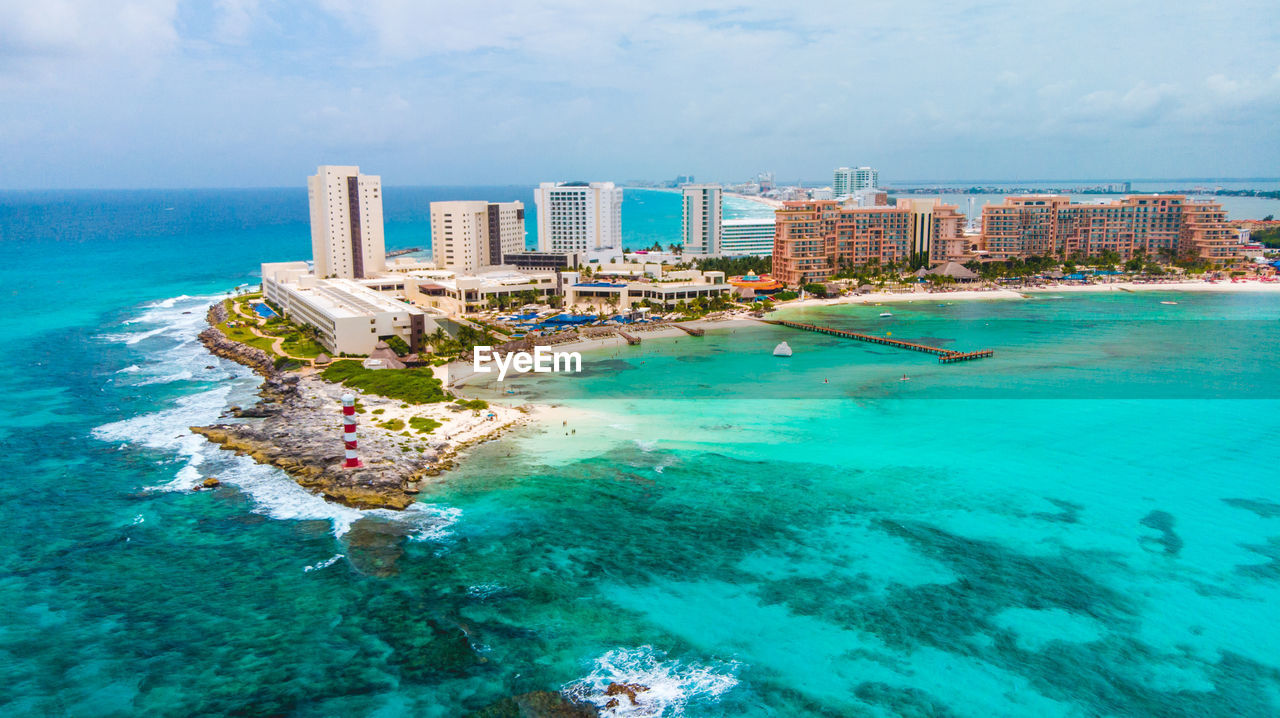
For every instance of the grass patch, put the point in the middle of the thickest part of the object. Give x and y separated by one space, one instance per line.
378 411
423 425
241 333
412 386
393 424
473 404
301 345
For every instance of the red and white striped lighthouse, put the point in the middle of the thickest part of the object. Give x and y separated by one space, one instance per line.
349 430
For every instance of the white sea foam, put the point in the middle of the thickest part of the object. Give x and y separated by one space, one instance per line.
484 590
671 684
324 564
646 445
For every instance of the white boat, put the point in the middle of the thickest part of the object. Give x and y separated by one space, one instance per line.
886 314
782 350
1168 302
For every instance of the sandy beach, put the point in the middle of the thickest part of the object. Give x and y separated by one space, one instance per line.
753 198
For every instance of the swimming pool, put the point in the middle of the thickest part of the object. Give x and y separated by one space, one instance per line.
263 310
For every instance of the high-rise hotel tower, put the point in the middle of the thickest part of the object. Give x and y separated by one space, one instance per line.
346 222
579 216
469 236
703 218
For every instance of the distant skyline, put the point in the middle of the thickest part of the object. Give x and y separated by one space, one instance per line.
258 93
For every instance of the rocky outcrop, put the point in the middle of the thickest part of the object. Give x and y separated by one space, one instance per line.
219 345
217 314
315 462
297 427
618 690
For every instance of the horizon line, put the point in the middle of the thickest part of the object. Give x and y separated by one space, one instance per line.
626 185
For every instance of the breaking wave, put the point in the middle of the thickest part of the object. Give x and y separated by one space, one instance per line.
653 685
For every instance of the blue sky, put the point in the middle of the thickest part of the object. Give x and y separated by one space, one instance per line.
225 93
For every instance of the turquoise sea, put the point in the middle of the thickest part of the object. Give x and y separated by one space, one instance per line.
1086 524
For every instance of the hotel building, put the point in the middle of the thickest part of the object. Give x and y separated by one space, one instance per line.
815 239
1051 225
350 317
848 180
346 222
666 289
579 217
468 236
747 237
703 216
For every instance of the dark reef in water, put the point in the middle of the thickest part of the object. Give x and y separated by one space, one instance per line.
1261 507
1163 522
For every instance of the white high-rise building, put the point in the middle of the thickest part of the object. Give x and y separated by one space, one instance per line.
703 215
469 236
747 237
579 217
848 180
346 222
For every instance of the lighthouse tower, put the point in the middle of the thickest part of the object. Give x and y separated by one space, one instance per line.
349 431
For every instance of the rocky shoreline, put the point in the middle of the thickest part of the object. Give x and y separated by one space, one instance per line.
297 426
219 345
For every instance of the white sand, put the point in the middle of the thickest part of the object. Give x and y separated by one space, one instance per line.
1186 286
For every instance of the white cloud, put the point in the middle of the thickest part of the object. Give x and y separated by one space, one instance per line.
235 20
41 41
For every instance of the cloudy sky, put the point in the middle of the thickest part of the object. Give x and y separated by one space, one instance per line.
175 93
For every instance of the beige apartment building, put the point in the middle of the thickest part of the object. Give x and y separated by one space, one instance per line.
346 222
468 236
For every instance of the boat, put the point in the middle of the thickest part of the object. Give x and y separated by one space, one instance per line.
1168 302
886 314
782 350
905 378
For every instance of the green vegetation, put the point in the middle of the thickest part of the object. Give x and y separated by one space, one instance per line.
398 345
784 296
423 425
375 412
413 386
241 333
816 289
733 266
473 404
286 364
468 337
515 299
393 424
300 345
1269 237
701 306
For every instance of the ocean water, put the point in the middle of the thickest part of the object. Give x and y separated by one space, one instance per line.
1086 524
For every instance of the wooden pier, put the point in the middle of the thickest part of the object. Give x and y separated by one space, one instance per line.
945 356
631 338
966 356
691 331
